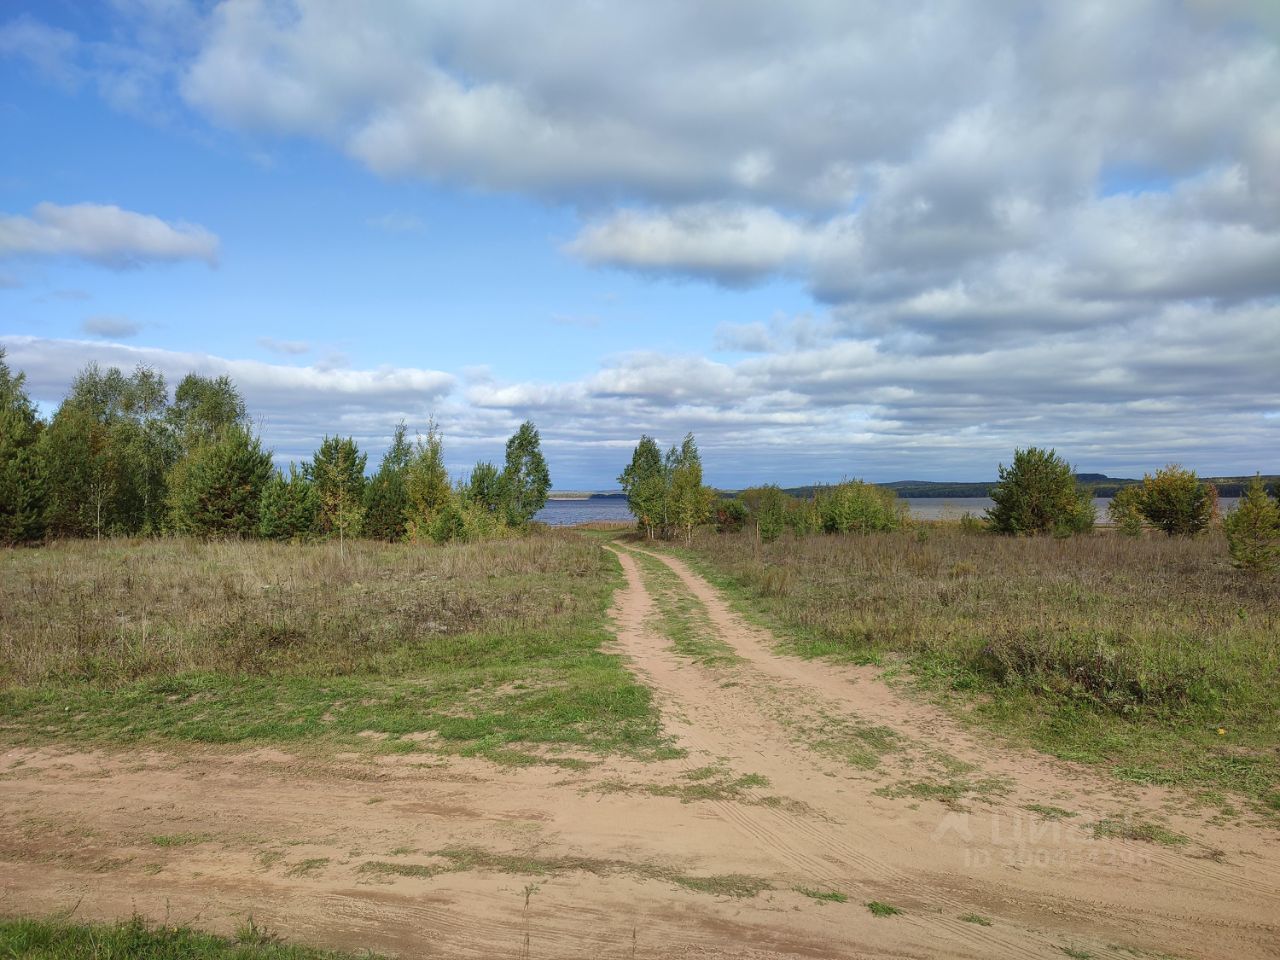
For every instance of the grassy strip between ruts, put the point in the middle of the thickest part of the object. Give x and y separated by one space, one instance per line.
135 939
1150 657
462 858
490 649
682 619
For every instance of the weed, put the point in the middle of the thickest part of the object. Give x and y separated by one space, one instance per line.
977 918
1050 812
460 859
307 868
830 896
180 839
881 909
1127 828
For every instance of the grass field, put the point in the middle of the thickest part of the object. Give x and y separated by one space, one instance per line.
136 940
1152 657
489 648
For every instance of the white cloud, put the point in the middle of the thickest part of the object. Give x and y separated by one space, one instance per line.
104 234
111 327
296 405
1057 224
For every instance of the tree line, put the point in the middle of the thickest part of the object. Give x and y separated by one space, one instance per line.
1038 493
119 457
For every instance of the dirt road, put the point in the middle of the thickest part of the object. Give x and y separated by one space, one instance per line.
800 782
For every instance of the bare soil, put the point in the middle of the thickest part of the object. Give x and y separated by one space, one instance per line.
796 774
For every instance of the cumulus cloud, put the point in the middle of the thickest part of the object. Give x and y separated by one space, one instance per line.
104 234
111 328
1059 224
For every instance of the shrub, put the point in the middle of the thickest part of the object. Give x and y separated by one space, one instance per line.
1178 502
857 507
768 506
1125 510
1253 529
731 516
1039 494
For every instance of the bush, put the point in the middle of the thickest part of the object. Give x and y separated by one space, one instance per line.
768 507
1039 494
1253 530
857 507
731 516
1125 510
1178 502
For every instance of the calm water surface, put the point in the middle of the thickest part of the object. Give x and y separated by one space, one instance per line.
563 513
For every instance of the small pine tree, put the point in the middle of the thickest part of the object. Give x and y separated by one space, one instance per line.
1178 502
288 508
386 502
216 489
21 484
525 478
1253 530
337 474
1038 494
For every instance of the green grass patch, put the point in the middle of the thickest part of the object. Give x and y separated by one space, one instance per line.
950 792
1050 812
307 868
180 839
460 859
704 783
487 650
977 918
879 909
136 939
1129 828
826 896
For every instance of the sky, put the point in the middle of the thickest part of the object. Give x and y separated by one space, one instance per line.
831 239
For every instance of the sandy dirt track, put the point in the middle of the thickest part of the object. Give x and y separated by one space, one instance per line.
297 841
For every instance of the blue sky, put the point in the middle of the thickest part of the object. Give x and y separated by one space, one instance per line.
851 241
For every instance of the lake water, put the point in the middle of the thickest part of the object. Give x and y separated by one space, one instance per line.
564 513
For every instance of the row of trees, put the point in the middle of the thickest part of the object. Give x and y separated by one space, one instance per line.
668 499
118 457
1037 494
